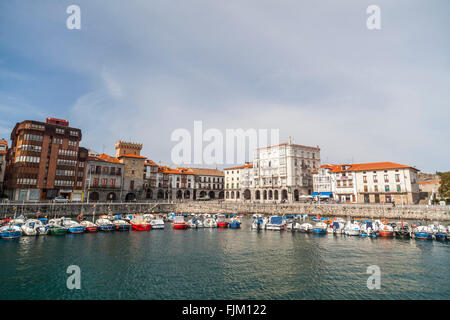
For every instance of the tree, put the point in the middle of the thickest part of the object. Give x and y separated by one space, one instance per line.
444 189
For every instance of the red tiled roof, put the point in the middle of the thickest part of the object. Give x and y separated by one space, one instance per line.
150 163
130 155
105 158
371 166
4 142
433 181
240 167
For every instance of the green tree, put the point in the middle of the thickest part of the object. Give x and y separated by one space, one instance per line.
444 189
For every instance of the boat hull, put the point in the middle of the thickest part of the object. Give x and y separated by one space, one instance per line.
440 236
386 233
235 225
222 225
180 226
92 229
423 235
57 231
141 227
76 230
106 228
10 234
123 227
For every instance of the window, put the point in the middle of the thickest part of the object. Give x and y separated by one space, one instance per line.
399 188
132 185
375 179
386 178
365 189
365 179
376 188
386 188
104 182
113 183
397 178
95 182
59 131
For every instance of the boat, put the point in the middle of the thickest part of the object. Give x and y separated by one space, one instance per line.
367 230
10 232
157 223
138 223
105 224
89 225
440 233
423 232
386 231
179 223
258 223
320 227
56 227
316 218
222 222
17 222
293 226
210 223
352 229
276 223
338 227
34 227
402 230
235 223
193 223
73 226
306 228
121 225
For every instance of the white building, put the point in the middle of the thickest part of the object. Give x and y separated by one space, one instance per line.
283 172
238 182
379 182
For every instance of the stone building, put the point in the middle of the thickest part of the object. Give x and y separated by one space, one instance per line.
209 183
44 161
3 152
129 154
283 172
104 178
239 182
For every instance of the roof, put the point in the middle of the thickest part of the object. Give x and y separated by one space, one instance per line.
292 144
130 155
4 142
240 167
149 162
432 181
105 158
205 172
371 166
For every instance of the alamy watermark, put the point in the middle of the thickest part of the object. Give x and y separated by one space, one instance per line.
214 147
374 281
74 280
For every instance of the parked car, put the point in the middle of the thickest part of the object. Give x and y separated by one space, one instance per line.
61 199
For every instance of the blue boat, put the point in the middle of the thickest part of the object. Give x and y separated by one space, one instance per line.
43 220
235 224
10 232
320 228
76 229
423 235
440 236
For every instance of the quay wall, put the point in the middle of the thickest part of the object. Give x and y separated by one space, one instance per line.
414 212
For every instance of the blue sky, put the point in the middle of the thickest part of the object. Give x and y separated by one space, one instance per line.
137 70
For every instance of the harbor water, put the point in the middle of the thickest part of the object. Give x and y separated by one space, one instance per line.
222 264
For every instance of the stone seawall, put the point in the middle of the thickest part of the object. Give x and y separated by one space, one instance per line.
441 213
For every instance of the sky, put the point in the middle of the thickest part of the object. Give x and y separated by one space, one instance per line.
138 70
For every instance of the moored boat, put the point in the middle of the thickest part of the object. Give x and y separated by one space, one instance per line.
90 226
320 228
306 228
222 222
105 225
276 223
10 232
179 223
423 232
121 225
235 223
352 229
34 227
210 223
56 227
386 231
138 223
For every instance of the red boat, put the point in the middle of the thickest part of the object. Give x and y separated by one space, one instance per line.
222 223
179 223
90 226
140 226
386 231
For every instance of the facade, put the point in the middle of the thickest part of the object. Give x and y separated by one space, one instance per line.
44 161
208 183
283 172
324 181
150 179
3 152
104 178
129 154
379 182
239 182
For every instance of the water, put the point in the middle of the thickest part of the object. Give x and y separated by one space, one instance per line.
222 264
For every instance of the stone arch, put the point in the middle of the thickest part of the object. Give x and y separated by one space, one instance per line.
276 195
179 194
130 197
160 194
296 195
247 195
284 194
212 195
270 195
265 194
111 196
227 195
94 196
221 194
238 195
149 194
258 195
187 194
232 194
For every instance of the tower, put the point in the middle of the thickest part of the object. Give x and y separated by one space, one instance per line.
123 148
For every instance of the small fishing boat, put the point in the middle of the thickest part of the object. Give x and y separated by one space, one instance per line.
276 223
105 224
56 227
235 223
179 223
440 232
259 223
73 226
222 222
210 223
34 227
306 228
10 232
138 223
338 227
402 230
193 223
367 230
121 225
352 229
293 226
316 218
415 224
157 223
89 225
18 222
386 231
320 228
423 232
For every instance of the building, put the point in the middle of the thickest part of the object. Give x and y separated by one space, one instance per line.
239 182
129 154
3 152
429 185
283 172
378 182
209 183
44 161
324 181
150 179
104 178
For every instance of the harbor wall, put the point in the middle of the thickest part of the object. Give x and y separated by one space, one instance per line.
415 212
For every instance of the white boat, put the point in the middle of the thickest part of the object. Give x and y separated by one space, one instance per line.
306 227
258 223
17 222
352 229
157 223
293 226
33 227
210 223
276 223
193 223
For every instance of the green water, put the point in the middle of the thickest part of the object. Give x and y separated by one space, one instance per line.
222 264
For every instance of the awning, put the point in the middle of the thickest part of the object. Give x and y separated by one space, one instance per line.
315 194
